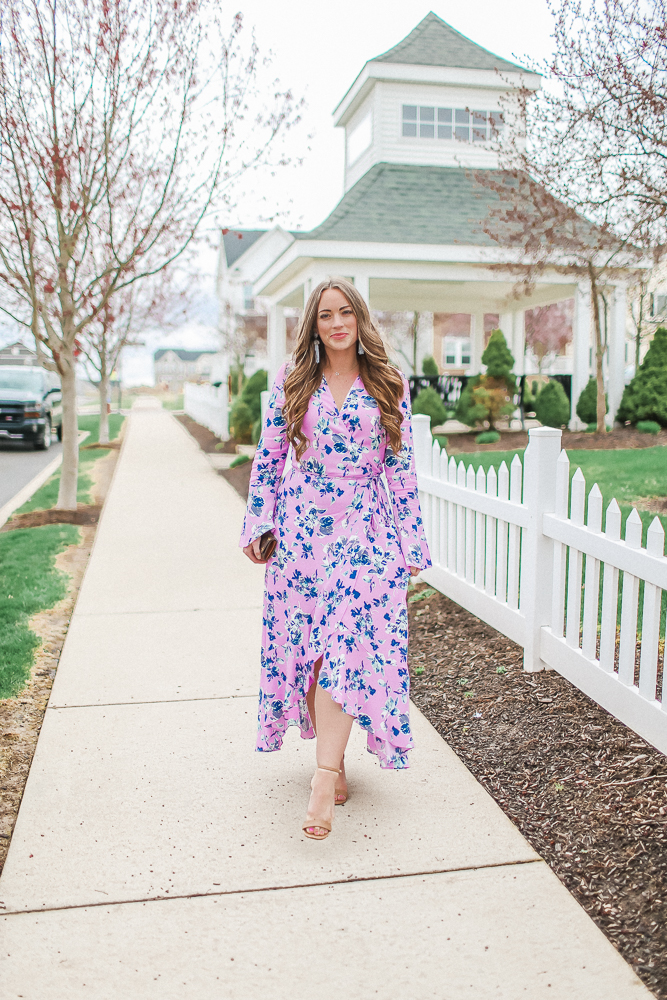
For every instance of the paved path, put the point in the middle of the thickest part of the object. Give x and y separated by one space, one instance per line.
156 855
19 463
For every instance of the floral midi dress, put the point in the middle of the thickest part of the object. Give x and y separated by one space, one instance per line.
336 586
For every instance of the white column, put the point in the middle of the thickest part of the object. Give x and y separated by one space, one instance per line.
506 323
581 345
519 342
276 335
616 350
477 338
362 283
424 338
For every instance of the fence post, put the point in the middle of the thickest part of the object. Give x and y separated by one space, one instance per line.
539 496
422 442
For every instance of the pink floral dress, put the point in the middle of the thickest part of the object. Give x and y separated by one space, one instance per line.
336 586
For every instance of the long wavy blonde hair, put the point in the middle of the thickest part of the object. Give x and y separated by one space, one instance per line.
381 379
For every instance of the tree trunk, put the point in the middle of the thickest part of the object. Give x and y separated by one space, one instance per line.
69 473
103 387
600 408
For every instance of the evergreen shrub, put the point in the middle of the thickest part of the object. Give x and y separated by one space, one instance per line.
552 407
645 398
428 401
241 421
488 437
489 397
648 426
252 390
588 401
430 367
256 432
239 460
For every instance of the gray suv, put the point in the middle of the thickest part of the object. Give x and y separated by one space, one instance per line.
30 405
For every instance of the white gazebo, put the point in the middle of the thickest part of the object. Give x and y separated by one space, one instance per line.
408 231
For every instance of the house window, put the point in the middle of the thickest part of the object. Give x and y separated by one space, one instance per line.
450 123
659 304
456 352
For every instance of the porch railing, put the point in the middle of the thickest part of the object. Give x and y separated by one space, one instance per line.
518 548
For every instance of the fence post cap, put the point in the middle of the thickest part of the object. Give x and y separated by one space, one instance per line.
545 432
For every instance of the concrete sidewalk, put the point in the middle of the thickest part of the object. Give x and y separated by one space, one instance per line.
156 855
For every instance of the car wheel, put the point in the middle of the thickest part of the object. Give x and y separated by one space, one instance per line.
60 432
43 443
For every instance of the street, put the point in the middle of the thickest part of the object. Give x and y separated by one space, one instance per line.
19 463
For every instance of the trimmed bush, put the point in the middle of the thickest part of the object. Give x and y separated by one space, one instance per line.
239 460
241 421
648 427
529 396
552 407
252 390
646 396
488 437
430 367
489 397
428 401
256 432
588 401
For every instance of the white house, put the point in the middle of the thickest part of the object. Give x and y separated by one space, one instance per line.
408 230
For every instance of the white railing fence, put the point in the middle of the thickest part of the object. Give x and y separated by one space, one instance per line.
512 546
208 406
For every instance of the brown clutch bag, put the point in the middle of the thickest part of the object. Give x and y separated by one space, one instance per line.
267 545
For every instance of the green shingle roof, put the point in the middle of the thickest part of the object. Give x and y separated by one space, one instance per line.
396 203
435 43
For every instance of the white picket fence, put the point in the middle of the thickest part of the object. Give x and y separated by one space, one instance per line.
510 547
208 406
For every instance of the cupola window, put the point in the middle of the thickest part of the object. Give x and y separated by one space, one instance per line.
426 122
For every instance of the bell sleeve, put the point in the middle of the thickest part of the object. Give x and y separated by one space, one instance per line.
401 476
267 467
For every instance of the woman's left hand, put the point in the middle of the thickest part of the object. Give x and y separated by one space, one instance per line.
414 571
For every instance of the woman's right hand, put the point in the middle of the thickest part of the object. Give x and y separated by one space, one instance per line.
252 552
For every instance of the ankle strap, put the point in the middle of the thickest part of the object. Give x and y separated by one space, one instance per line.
322 767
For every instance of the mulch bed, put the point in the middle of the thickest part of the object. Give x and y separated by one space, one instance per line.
239 478
587 793
620 437
205 438
110 446
85 513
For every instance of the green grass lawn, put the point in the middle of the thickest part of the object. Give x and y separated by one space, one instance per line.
29 581
626 474
47 495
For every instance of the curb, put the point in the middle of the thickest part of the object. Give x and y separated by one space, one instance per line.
24 495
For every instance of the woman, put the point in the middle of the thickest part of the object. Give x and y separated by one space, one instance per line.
335 619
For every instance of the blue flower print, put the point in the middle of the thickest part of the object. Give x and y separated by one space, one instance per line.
348 524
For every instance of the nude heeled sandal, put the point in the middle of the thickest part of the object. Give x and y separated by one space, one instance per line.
313 821
340 798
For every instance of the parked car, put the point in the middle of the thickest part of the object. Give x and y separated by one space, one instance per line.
30 405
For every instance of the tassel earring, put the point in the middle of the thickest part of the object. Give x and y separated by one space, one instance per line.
317 350
360 348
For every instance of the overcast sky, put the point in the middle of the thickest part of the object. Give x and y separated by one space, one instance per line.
319 50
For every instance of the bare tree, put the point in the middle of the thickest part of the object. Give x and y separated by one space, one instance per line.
610 64
123 123
564 198
119 324
549 329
